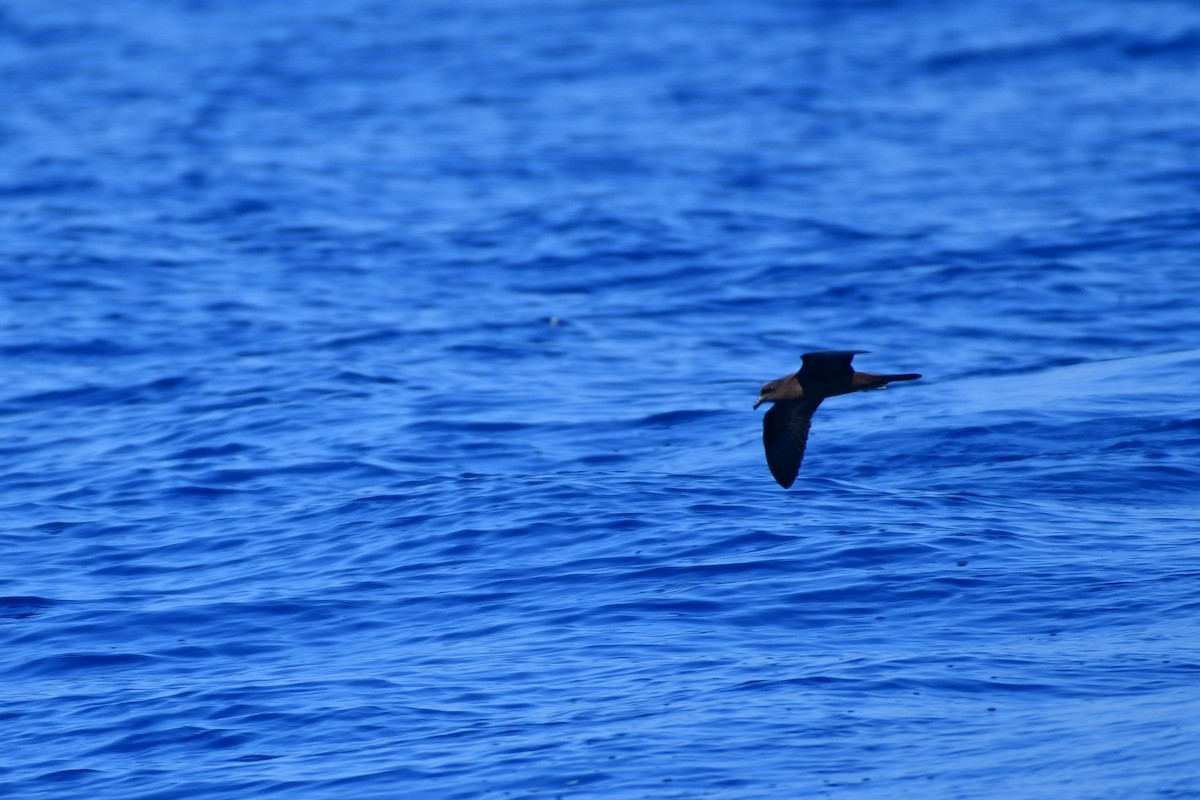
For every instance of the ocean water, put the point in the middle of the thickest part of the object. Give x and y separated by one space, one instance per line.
376 418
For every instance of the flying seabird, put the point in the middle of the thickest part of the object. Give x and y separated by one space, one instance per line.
795 397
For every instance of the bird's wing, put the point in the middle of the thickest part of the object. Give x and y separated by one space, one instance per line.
827 364
785 432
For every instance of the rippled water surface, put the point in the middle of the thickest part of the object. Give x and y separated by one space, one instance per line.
378 381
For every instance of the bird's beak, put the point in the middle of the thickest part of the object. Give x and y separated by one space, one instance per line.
759 403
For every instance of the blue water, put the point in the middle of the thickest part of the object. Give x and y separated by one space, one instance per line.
376 416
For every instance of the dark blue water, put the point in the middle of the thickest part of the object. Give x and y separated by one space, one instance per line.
377 387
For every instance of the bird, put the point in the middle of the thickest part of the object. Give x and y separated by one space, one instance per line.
825 373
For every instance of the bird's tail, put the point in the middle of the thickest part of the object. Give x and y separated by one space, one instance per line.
868 380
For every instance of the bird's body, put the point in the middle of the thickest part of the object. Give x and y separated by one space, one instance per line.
795 397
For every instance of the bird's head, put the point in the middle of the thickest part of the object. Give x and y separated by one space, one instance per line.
782 389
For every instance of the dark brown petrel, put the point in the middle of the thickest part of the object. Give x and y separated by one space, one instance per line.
796 397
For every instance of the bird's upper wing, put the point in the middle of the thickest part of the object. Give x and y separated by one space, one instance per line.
827 364
785 433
